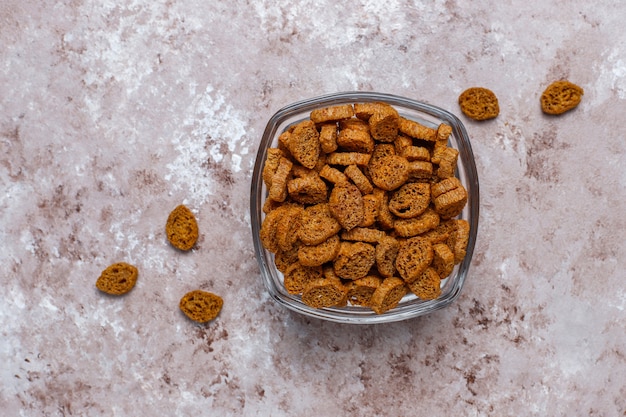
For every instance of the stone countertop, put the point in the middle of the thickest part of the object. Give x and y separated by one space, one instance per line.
113 113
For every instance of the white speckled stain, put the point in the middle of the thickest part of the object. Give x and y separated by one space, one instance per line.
121 52
27 239
213 123
618 71
16 297
611 76
332 29
501 35
47 303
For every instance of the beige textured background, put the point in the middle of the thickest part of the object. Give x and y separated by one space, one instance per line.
112 113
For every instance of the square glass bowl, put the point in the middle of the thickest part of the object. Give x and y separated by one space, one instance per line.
410 306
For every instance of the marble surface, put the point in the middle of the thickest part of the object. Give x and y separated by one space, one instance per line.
113 113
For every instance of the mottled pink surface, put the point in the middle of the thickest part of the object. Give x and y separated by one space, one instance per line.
113 113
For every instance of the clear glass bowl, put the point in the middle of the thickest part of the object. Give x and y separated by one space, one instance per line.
410 306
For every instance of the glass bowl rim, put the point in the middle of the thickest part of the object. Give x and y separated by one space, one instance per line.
360 315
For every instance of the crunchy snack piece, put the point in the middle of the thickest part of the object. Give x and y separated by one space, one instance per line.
348 158
420 170
449 197
441 144
354 260
328 137
332 113
356 124
384 123
117 279
447 163
360 291
321 162
298 276
438 150
381 150
427 286
304 143
284 259
288 226
271 165
426 221
269 226
410 200
270 205
329 273
283 143
444 186
443 132
461 238
416 153
315 255
370 210
390 172
414 256
401 143
479 103
324 292
333 174
318 224
386 253
364 111
299 171
201 306
444 232
417 130
359 179
278 188
443 260
355 140
388 295
307 190
385 218
181 228
346 205
560 96
363 234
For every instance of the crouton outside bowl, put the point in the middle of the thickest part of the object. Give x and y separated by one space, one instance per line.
410 306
